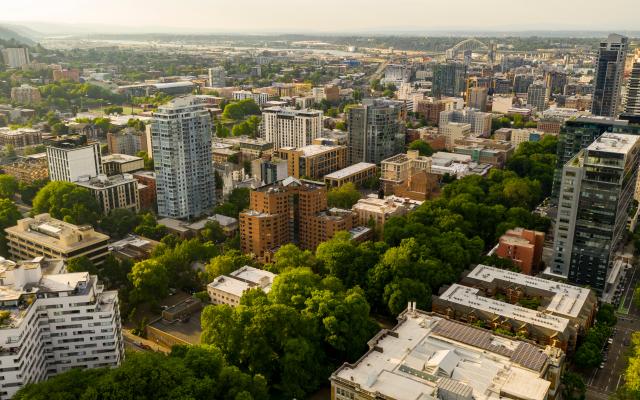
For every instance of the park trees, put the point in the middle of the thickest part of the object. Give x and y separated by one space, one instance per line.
344 196
68 202
9 215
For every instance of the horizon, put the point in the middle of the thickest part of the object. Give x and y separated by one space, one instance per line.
306 17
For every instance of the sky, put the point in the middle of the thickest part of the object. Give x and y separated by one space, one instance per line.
316 16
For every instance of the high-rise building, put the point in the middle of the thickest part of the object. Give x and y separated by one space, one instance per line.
217 77
449 79
521 82
71 157
555 81
480 121
56 321
578 133
16 57
290 211
128 141
288 127
478 98
25 94
609 75
181 141
632 107
376 130
538 96
595 195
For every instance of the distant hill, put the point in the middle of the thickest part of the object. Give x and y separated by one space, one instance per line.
8 34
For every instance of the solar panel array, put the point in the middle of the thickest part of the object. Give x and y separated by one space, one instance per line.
525 354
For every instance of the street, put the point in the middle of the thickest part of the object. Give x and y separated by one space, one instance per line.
602 382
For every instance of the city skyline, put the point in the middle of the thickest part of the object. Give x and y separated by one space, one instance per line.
215 17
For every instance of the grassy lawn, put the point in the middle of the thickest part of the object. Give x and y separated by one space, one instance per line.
126 110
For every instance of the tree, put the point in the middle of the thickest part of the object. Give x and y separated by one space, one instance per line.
573 386
226 263
119 222
8 186
28 191
81 264
423 147
9 216
291 256
149 227
148 162
213 232
150 280
59 129
344 196
68 202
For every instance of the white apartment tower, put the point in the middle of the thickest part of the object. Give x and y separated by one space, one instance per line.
181 142
51 321
287 127
16 57
72 157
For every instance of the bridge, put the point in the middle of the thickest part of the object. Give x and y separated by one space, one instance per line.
471 44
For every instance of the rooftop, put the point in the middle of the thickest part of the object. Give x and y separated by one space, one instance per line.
120 158
243 279
350 170
470 297
614 143
566 299
56 234
426 356
104 181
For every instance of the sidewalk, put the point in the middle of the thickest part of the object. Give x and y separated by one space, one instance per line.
143 343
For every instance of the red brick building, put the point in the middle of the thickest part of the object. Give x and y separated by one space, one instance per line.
523 247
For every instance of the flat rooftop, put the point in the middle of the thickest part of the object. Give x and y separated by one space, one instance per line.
120 158
566 299
350 170
614 143
43 229
470 297
426 354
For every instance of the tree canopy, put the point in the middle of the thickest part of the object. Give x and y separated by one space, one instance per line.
68 202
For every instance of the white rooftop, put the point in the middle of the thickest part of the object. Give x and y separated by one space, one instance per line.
614 143
567 299
426 356
350 170
470 297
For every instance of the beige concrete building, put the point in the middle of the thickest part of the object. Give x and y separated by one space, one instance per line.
229 289
426 356
115 164
453 131
380 210
313 161
25 94
21 137
43 235
398 169
356 174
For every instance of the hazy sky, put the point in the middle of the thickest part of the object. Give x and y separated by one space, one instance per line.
330 15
